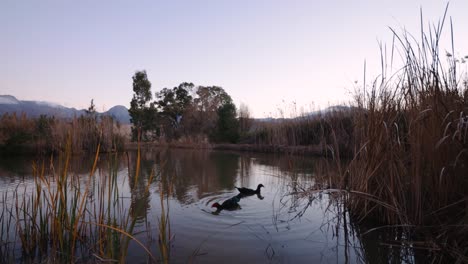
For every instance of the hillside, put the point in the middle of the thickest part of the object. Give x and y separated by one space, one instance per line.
10 104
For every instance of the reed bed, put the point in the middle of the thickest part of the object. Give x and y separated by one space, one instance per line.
410 165
20 133
319 130
67 218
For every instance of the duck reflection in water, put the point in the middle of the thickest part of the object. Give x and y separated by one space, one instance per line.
259 196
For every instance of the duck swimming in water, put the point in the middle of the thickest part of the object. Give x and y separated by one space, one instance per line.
247 191
229 204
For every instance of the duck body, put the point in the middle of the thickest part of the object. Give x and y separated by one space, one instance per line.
229 204
247 191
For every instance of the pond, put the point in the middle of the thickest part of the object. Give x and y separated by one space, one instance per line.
164 200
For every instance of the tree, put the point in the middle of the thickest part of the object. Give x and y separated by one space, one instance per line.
172 103
139 106
204 110
210 98
91 109
227 127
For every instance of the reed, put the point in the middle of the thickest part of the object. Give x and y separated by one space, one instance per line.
65 218
319 129
20 133
412 146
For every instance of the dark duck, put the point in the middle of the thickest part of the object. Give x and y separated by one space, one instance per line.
247 191
229 204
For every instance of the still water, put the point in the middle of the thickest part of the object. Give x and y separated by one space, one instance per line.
170 201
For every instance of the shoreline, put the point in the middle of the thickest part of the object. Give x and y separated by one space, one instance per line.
312 150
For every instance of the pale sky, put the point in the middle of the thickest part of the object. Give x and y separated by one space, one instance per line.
266 54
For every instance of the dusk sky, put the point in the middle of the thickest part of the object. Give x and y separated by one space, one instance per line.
266 54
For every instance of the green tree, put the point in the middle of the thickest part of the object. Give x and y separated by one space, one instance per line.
172 104
227 127
203 114
210 98
140 111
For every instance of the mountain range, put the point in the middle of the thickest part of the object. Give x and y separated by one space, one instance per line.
9 104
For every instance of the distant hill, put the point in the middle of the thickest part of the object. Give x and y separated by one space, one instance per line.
120 113
9 104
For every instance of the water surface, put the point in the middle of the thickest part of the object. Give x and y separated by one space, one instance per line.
288 222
